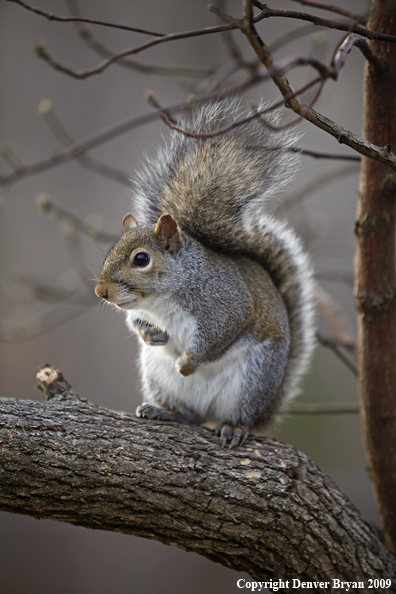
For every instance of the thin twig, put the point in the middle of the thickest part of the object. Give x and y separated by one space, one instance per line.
329 24
80 147
383 155
335 276
332 313
232 23
49 294
98 47
337 342
249 118
231 46
336 9
309 106
294 198
51 118
334 346
42 53
36 324
76 19
345 47
329 156
9 156
266 13
292 35
333 408
104 136
47 207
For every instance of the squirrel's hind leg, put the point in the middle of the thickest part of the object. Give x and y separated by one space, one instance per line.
152 412
229 435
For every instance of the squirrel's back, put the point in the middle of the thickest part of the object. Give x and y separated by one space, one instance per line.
217 188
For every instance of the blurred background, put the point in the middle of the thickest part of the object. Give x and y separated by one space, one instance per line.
48 310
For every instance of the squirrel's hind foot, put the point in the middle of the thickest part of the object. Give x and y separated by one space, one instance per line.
149 411
232 436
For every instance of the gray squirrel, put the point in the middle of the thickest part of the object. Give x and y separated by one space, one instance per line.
219 292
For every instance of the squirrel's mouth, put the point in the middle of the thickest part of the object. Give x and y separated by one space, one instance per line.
126 304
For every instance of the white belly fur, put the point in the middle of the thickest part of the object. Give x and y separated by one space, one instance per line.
212 390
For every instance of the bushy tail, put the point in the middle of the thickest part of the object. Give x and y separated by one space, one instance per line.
281 253
217 189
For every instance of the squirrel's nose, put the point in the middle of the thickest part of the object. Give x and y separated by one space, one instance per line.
102 291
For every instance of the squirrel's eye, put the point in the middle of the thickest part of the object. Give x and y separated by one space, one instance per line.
141 259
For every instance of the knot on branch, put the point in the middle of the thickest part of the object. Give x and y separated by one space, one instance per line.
54 385
370 301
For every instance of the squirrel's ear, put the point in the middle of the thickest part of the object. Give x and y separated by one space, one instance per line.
167 231
129 222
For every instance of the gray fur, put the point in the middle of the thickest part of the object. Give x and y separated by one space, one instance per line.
217 190
223 301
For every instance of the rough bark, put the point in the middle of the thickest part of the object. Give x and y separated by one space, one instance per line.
264 508
375 275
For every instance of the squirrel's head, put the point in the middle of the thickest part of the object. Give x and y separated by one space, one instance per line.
143 255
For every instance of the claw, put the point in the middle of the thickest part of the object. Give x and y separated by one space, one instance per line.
149 411
231 435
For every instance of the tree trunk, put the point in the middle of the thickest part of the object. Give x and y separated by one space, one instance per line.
375 275
264 508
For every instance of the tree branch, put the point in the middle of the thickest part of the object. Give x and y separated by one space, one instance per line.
246 25
41 52
97 46
349 27
47 111
264 508
332 8
78 19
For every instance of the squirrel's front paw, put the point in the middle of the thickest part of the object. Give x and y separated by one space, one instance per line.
232 436
154 337
150 334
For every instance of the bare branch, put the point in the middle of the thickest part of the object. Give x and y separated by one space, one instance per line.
104 136
383 155
256 114
330 156
333 408
9 156
345 47
336 276
51 118
231 46
39 323
332 313
47 207
348 27
102 50
42 53
81 147
291 36
334 346
49 294
77 19
351 15
302 193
